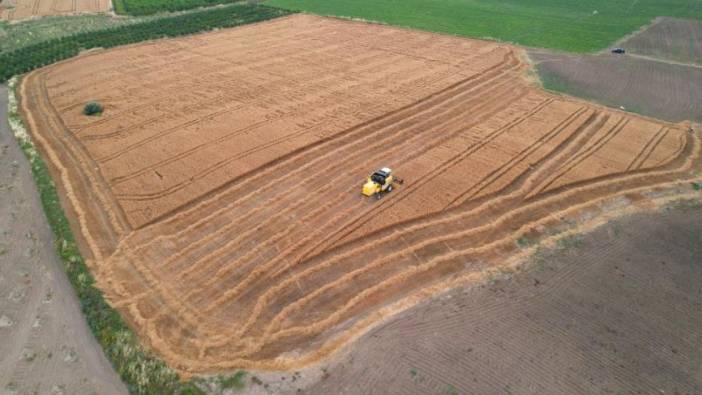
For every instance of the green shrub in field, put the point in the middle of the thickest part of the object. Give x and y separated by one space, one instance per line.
93 108
37 55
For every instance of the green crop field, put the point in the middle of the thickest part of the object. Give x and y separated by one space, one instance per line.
569 25
148 7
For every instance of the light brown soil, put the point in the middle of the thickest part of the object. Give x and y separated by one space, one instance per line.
668 38
618 312
218 196
45 344
645 86
23 9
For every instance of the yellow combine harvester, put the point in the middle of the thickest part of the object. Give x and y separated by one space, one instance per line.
380 182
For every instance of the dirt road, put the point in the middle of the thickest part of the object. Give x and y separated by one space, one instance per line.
617 311
45 344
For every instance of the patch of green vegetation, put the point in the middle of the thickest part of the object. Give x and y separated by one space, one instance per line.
236 381
576 26
43 53
684 205
451 390
18 35
149 7
553 82
569 242
524 242
697 186
92 108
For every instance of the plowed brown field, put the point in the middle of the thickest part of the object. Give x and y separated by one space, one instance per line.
23 9
218 196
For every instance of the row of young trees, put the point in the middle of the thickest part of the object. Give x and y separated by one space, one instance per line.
47 52
149 7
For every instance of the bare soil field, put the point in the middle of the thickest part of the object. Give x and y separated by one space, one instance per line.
617 312
218 198
23 9
668 38
45 344
646 86
660 76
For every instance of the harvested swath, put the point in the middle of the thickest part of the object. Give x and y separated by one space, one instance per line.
218 194
655 88
24 9
668 38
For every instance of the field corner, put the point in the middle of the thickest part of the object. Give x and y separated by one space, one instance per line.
139 368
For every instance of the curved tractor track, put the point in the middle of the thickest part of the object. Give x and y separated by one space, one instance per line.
218 196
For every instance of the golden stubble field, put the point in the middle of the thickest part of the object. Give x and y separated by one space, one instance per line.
218 197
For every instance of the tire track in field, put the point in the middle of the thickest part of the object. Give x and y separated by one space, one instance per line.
451 87
338 258
648 148
357 136
408 191
221 139
270 167
343 214
525 153
585 153
176 187
661 136
504 227
349 212
337 316
255 102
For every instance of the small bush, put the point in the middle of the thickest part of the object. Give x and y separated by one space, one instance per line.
235 381
93 108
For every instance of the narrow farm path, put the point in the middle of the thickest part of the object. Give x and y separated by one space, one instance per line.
45 344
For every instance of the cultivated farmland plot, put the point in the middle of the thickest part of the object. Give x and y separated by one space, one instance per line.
218 196
23 9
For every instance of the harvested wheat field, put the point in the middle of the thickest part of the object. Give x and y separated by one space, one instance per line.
22 9
218 196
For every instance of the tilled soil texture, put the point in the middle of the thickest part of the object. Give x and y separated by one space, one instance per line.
668 38
646 86
45 344
24 9
617 312
218 196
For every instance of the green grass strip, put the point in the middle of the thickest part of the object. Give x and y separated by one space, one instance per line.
47 52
